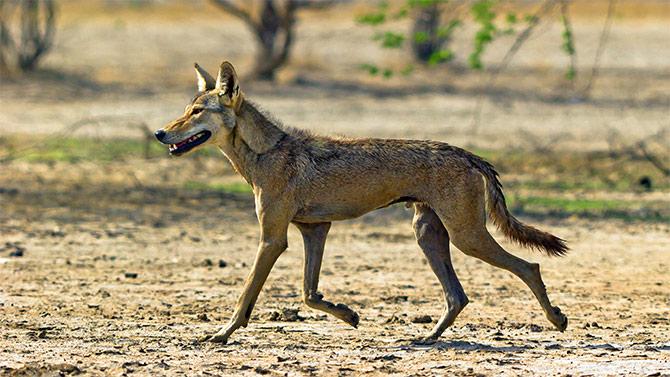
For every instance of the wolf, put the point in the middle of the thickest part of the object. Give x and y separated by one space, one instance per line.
310 181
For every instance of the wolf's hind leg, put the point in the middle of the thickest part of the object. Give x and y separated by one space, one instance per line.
467 228
480 244
314 236
434 242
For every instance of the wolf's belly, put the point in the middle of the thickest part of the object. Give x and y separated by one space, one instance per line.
325 211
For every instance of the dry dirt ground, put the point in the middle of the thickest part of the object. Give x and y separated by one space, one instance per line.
120 272
121 278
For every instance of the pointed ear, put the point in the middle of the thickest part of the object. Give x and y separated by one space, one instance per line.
227 80
205 80
228 86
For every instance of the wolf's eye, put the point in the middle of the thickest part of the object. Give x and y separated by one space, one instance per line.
197 110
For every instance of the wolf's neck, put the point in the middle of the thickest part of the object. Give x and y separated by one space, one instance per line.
253 136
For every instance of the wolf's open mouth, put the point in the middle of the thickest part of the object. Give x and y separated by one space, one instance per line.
190 143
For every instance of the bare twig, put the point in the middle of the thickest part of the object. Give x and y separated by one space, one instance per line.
620 151
604 35
547 7
653 159
236 11
69 130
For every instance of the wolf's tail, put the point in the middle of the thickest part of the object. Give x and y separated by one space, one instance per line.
515 230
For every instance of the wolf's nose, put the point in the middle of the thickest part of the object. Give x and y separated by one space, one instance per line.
160 134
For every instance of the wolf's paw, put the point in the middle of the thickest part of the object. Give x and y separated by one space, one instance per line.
219 338
426 340
349 316
558 319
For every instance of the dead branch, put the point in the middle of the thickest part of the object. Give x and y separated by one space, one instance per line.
604 36
236 11
69 130
546 8
653 159
273 28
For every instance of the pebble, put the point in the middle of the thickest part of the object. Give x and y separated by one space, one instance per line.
18 252
422 319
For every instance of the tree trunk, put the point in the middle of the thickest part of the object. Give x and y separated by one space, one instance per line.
275 36
23 44
426 39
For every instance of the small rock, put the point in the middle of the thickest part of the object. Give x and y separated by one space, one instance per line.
203 317
395 319
94 305
207 263
535 328
553 346
291 315
18 252
42 334
195 239
389 357
113 233
272 316
222 263
422 319
56 232
131 275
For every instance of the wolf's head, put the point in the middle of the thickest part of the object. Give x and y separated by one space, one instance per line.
211 115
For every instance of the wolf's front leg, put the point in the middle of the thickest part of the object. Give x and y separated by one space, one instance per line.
270 248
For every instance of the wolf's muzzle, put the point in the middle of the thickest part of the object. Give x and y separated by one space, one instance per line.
160 135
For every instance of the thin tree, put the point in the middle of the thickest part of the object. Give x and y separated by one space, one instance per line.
27 30
273 26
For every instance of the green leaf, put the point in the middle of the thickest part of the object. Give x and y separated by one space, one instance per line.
402 13
483 14
387 73
390 39
372 19
424 3
444 32
371 68
440 56
420 37
475 62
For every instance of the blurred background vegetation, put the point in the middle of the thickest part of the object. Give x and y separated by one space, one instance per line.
570 99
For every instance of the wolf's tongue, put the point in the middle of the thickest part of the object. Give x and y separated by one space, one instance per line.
181 143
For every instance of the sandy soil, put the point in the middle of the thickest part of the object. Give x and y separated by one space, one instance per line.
117 278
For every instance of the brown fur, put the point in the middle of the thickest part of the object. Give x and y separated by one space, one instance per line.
310 181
